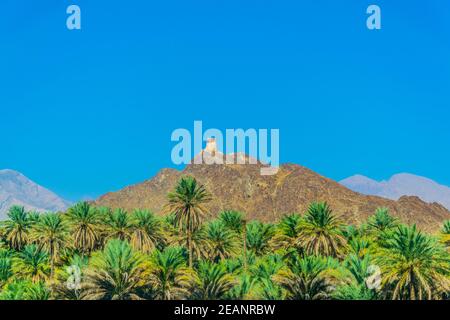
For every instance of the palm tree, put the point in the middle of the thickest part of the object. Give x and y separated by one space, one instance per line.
360 269
307 278
199 243
267 266
287 231
268 290
187 202
359 246
84 221
33 263
233 265
118 225
50 233
5 266
25 290
68 286
14 290
168 275
351 232
446 227
37 291
290 225
17 227
34 216
414 266
259 236
116 273
244 288
445 233
262 272
211 282
222 241
147 231
382 221
320 232
233 220
353 291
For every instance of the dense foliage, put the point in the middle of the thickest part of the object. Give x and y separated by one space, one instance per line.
98 253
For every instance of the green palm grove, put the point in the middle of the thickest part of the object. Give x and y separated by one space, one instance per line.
189 253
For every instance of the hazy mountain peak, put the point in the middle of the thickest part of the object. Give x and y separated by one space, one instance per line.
363 184
401 184
10 173
17 189
359 178
408 178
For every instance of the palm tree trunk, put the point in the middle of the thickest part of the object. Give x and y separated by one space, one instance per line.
245 245
190 247
52 268
52 261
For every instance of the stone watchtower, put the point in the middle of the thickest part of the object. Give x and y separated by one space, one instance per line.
211 146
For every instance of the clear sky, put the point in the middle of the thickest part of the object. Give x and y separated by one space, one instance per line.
87 112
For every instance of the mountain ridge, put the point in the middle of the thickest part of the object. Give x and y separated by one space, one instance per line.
292 189
17 189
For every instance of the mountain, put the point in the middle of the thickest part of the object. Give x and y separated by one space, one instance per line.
16 189
291 189
403 184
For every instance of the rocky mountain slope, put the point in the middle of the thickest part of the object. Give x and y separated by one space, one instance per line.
241 187
16 189
400 185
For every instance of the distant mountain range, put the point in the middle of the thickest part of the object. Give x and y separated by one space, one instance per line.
267 198
403 184
16 189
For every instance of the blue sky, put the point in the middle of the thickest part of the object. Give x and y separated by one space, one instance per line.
87 112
